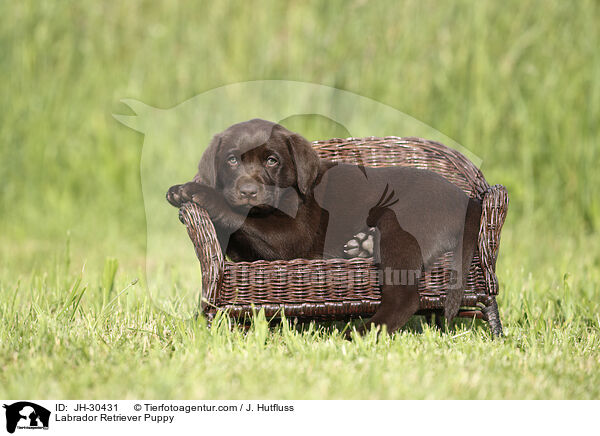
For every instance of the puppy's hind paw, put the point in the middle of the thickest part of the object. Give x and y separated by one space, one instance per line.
361 245
352 248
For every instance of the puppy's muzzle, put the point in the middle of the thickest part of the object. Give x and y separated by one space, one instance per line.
248 191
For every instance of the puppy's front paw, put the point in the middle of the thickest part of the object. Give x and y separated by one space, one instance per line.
175 195
191 192
361 244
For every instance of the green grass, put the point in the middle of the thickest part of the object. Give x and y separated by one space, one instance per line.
63 337
515 83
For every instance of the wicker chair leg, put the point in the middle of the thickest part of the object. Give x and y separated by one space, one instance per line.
491 315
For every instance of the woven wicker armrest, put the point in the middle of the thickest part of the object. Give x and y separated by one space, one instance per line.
495 206
208 250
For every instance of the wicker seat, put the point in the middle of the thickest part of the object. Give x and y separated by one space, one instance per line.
341 289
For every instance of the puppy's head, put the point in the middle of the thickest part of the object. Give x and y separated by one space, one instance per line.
255 164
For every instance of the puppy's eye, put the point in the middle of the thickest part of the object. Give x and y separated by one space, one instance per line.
272 161
232 160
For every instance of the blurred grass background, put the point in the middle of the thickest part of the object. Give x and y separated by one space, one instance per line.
517 83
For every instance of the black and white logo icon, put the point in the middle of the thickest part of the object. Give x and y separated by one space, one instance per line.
26 415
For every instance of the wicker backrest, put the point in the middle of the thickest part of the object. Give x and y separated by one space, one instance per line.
414 152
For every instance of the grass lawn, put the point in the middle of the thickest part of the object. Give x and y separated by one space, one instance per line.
515 83
64 337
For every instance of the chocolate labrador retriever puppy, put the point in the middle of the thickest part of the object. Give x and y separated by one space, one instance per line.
270 197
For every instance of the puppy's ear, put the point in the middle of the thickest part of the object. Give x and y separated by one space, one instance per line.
207 168
306 161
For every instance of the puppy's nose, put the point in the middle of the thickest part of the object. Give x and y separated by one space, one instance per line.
248 190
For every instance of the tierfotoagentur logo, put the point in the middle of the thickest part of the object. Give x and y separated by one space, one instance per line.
25 415
175 139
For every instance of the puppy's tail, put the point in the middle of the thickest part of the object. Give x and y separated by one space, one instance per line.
461 263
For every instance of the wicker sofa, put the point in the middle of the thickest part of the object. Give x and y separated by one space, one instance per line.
341 289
